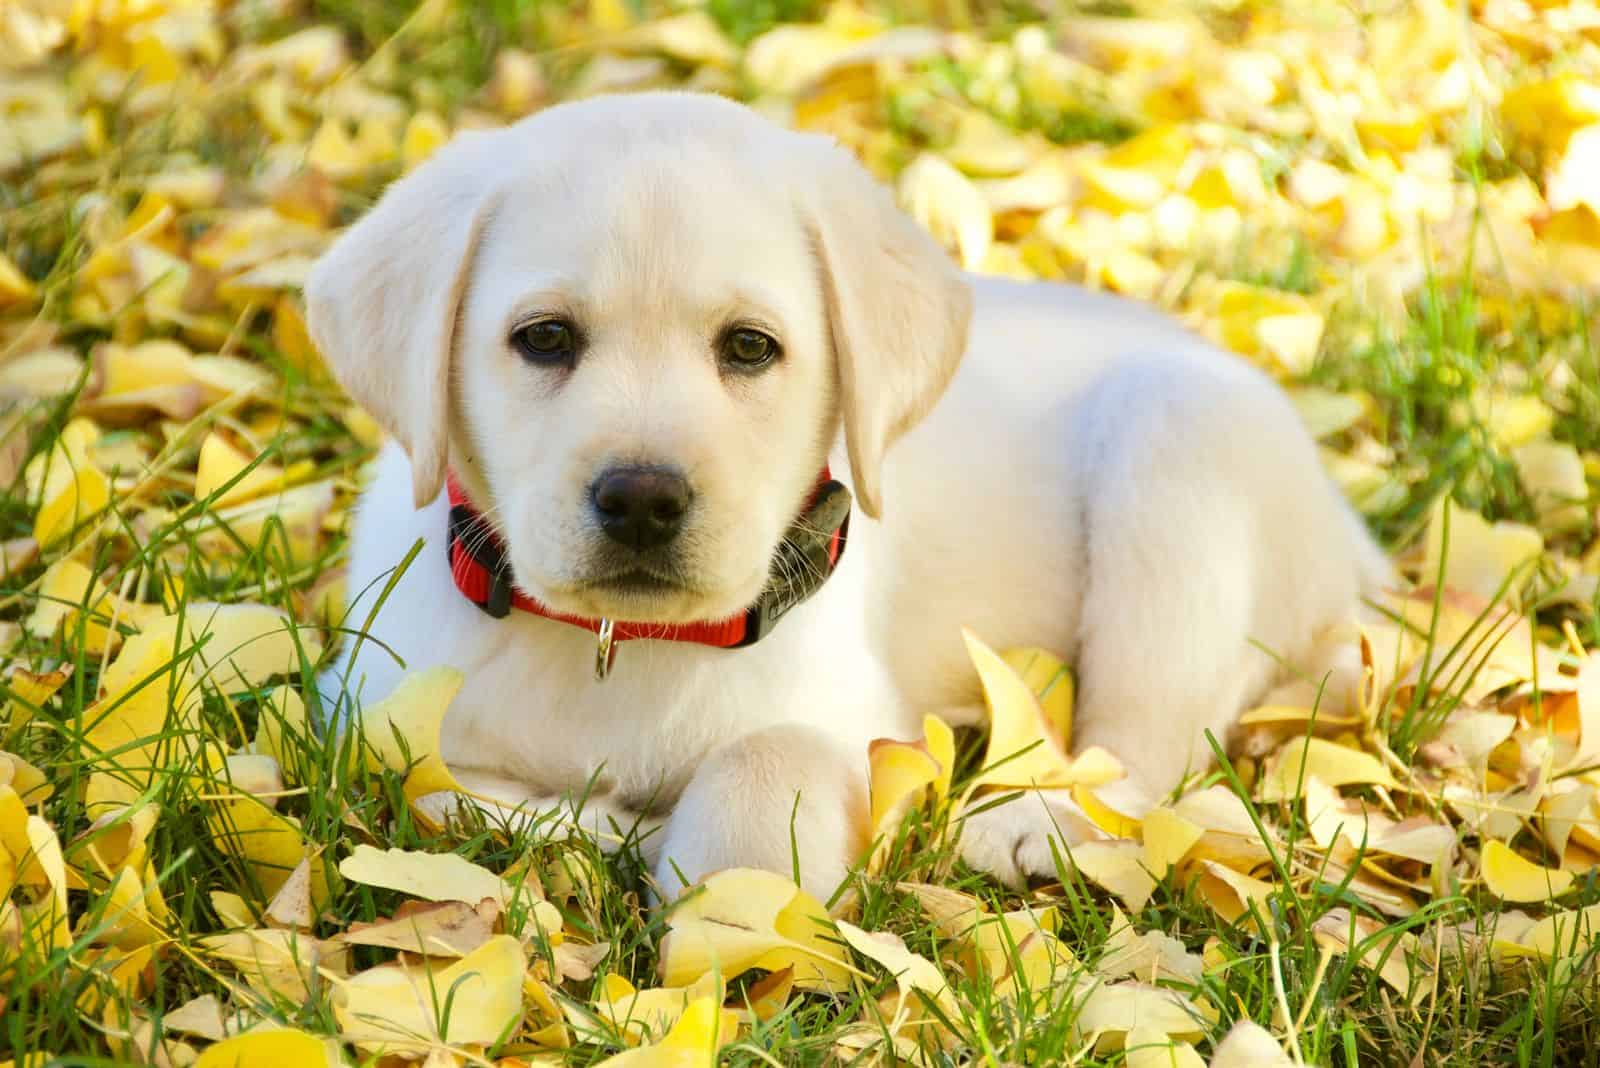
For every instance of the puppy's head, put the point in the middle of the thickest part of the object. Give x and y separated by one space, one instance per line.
631 327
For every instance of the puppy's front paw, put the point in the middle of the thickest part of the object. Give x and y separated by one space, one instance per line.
1020 838
762 801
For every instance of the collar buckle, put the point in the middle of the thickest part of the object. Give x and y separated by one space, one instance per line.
605 650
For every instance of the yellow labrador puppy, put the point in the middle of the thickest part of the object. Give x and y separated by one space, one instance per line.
638 354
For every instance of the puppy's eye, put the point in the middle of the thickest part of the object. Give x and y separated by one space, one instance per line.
547 341
749 350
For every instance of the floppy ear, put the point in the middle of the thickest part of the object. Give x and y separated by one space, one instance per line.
898 310
382 303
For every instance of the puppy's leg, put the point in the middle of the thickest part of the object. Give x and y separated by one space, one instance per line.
762 800
1213 543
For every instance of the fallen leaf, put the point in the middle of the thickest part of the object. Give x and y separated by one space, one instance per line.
430 876
1512 878
741 919
400 1007
401 731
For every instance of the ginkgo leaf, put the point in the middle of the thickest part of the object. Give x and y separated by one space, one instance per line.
398 1007
741 919
1118 867
1389 953
1478 556
269 843
693 1042
1048 676
896 773
430 876
915 975
1023 750
1512 878
1232 895
1147 1047
269 1048
242 646
68 485
402 730
638 1015
225 475
438 929
1112 1010
949 206
1168 837
1249 1045
1332 764
1563 933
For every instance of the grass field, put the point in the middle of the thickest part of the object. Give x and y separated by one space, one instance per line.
1394 207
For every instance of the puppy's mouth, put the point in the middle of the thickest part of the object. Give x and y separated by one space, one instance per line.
636 582
635 591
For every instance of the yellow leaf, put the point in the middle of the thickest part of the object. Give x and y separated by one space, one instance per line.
1118 867
241 645
1249 1045
1231 894
268 843
1552 474
1480 556
1112 1010
281 963
221 463
1386 952
1512 878
741 919
693 1042
638 1015
1283 330
941 741
949 207
15 287
1334 765
1168 837
430 876
1562 934
896 774
147 707
408 722
1048 676
1108 819
425 133
912 973
46 372
1149 1048
268 1049
1017 726
398 1007
438 929
68 593
28 781
64 480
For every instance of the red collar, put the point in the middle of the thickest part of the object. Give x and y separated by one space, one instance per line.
805 558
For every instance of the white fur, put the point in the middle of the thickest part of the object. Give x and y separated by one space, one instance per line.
1092 479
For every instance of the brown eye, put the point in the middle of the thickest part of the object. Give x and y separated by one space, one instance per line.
547 341
749 350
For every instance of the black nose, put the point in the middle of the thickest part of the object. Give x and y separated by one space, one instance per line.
641 507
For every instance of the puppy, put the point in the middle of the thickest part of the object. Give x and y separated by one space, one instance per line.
645 340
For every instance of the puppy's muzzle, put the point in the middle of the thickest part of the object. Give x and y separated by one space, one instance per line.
640 507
